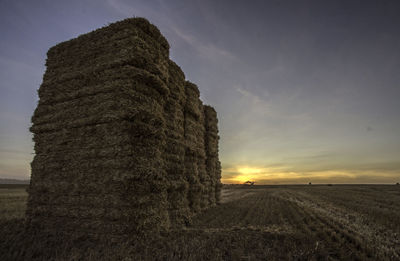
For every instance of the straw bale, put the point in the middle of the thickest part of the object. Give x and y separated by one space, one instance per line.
212 162
174 154
123 143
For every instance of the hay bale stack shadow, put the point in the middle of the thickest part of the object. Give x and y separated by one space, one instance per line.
123 143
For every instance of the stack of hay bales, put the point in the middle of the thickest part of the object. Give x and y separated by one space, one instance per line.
121 139
213 165
179 210
195 150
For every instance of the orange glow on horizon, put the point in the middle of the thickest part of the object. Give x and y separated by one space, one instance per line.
285 175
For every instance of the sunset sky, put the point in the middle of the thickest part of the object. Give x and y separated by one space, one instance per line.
306 91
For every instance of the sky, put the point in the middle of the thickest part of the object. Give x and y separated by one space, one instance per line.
305 91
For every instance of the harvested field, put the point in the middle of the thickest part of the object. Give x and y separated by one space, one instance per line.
339 222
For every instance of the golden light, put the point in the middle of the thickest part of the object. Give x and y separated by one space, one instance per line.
247 173
286 175
248 170
261 175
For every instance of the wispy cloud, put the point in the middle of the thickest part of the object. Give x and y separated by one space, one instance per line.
255 103
121 7
205 49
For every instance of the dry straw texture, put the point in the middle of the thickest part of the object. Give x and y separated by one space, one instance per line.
123 143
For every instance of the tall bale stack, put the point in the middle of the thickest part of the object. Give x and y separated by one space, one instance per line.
195 150
179 209
121 139
213 165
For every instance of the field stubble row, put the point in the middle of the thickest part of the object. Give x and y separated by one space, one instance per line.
257 223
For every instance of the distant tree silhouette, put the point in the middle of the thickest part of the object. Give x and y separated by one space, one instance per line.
310 183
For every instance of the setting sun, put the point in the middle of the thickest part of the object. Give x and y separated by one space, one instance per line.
246 173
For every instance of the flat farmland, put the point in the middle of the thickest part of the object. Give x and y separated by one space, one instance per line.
313 222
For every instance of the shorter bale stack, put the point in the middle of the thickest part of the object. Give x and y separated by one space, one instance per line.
123 143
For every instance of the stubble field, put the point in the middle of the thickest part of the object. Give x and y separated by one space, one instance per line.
318 222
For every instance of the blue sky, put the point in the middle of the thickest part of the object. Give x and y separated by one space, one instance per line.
304 90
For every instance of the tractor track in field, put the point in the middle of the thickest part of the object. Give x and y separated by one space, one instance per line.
346 230
340 233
